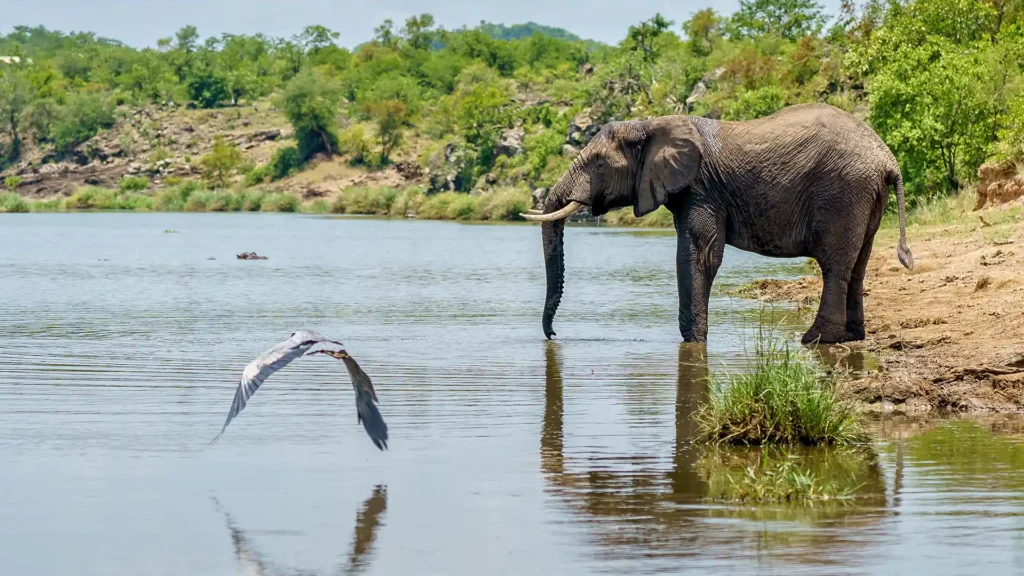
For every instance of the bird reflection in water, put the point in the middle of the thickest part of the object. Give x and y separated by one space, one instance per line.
369 520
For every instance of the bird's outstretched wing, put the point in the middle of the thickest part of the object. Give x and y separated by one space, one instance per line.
300 343
366 404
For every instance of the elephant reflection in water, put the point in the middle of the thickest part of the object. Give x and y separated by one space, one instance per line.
652 512
369 519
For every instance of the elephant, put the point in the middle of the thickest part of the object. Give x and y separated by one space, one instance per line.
809 180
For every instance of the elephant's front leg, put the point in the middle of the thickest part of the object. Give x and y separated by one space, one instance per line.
699 249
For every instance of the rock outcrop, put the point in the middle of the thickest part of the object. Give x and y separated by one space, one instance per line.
999 183
511 143
703 87
582 129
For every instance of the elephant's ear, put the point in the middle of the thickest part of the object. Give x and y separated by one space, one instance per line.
671 157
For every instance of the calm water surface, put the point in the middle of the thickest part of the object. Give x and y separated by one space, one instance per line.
120 346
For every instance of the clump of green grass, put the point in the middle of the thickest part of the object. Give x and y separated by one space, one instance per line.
174 198
451 206
252 200
280 202
11 202
318 206
52 205
375 201
408 202
505 204
133 183
786 399
97 198
780 475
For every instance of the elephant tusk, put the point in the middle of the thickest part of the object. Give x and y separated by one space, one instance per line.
534 211
553 216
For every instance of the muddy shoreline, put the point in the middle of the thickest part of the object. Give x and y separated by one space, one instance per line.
949 335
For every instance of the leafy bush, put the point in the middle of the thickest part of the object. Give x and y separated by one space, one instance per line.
318 206
505 204
96 198
12 182
173 198
280 202
353 143
80 119
310 103
752 104
221 163
365 201
407 202
451 206
252 200
133 183
11 202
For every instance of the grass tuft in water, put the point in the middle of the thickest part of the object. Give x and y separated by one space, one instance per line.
786 399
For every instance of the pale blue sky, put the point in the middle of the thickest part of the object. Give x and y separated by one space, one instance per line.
142 22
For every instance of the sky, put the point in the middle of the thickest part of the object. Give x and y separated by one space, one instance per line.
141 22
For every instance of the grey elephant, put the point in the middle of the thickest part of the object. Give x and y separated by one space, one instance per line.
809 180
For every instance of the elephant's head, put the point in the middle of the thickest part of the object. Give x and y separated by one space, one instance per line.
638 163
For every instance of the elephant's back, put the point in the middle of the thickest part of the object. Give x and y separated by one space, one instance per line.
816 130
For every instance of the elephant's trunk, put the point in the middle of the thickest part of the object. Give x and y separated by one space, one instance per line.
554 264
563 200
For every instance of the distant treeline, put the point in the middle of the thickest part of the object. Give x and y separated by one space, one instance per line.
940 80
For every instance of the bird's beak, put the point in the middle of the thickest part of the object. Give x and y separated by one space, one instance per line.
339 355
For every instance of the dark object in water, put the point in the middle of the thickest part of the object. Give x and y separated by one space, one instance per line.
250 256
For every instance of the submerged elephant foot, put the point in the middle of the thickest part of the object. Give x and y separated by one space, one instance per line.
697 334
823 333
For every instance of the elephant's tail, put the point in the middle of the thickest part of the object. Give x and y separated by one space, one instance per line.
895 179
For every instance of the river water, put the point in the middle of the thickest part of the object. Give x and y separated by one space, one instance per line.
122 337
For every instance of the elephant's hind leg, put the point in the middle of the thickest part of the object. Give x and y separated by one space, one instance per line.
701 244
855 289
837 251
830 322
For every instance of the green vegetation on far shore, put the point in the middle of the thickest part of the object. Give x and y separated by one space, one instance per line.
493 106
500 205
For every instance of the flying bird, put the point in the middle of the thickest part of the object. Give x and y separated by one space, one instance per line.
307 343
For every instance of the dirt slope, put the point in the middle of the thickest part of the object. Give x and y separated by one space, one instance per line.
950 334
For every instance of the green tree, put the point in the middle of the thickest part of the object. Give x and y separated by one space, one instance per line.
702 30
418 32
642 38
789 19
384 34
482 106
187 39
221 163
80 119
310 102
15 96
934 105
316 38
390 103
391 116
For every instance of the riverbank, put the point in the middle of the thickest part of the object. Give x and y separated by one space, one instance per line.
500 205
949 335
